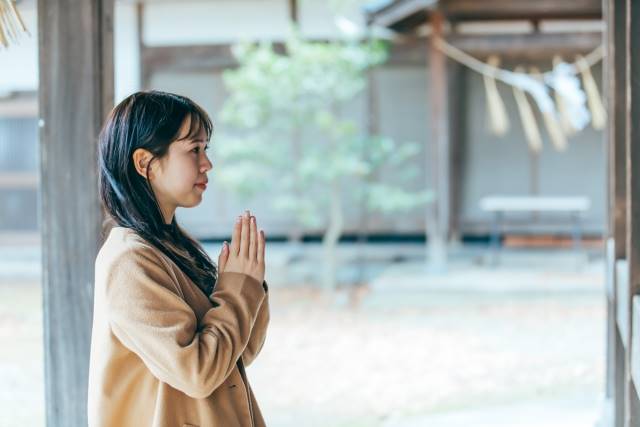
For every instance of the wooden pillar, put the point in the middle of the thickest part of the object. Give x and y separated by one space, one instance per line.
76 91
457 137
293 11
633 204
437 218
616 76
615 72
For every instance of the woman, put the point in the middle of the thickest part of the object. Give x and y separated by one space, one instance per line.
171 332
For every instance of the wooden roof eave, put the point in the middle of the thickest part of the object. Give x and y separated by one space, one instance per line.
399 15
406 15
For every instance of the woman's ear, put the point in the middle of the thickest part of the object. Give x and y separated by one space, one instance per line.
141 160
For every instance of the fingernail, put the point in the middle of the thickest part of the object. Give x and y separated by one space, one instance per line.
238 219
253 219
246 214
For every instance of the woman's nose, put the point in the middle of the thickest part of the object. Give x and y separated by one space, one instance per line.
206 165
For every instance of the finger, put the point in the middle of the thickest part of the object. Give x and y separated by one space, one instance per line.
244 236
223 257
253 239
261 245
235 238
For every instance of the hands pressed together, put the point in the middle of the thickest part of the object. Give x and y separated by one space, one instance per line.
246 252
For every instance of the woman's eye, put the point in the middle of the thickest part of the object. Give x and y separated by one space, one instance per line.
197 149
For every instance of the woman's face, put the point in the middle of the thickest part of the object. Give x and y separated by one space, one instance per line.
179 178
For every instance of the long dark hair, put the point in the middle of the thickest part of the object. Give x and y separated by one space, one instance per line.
150 120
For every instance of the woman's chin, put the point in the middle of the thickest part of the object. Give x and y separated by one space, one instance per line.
192 202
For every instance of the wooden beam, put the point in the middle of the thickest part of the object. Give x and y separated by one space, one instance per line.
75 93
404 51
527 46
406 15
458 10
216 58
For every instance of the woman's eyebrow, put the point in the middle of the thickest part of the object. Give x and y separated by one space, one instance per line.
191 141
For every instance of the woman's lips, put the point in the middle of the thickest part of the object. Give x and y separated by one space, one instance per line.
202 186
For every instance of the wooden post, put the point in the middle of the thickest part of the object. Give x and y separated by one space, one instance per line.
76 91
293 11
633 197
615 84
615 91
437 219
457 134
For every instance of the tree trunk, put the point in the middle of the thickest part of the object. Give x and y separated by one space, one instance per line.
330 240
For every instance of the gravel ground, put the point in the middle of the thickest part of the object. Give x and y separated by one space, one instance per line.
434 358
379 367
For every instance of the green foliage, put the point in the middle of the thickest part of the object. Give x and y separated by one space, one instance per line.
286 134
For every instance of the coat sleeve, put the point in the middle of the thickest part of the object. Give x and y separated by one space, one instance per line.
259 331
148 317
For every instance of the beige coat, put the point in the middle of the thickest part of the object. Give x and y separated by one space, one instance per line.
163 354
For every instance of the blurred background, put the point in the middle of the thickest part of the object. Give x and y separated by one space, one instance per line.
431 177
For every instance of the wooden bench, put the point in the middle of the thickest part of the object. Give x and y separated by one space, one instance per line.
499 206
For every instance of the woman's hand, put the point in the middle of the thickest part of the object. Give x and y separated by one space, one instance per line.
246 252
